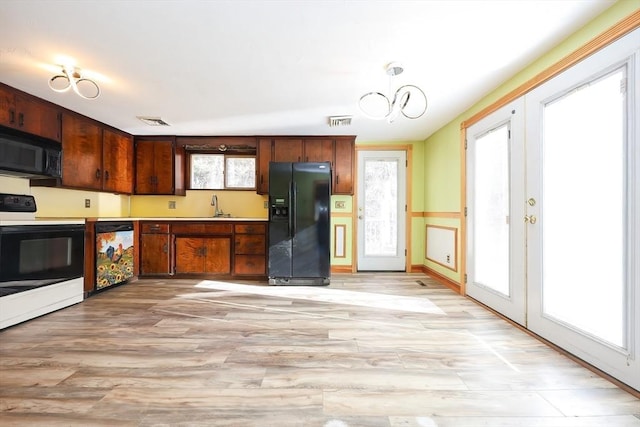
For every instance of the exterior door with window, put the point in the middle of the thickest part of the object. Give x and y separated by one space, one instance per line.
561 253
495 211
583 185
381 199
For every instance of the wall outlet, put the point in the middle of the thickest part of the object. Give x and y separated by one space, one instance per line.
266 204
340 204
172 204
87 203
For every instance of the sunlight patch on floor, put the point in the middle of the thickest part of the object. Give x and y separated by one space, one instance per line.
334 296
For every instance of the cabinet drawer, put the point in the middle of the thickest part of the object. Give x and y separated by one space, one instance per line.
202 228
155 228
250 265
250 228
250 244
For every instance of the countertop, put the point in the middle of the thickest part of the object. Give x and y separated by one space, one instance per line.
204 218
43 221
62 221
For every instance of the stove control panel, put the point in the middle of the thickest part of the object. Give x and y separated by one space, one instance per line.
17 203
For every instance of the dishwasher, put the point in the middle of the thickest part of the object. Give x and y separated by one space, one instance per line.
114 253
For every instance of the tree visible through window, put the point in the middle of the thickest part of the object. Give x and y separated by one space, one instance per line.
220 171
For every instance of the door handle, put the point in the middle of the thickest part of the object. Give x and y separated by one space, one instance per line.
531 219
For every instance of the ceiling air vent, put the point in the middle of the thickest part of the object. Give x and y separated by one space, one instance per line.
337 121
152 121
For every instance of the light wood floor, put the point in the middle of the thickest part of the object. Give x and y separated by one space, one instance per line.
369 350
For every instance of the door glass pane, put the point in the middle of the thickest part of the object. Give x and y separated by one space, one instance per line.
583 209
380 207
491 210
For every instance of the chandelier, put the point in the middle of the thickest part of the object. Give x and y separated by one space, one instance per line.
408 100
71 78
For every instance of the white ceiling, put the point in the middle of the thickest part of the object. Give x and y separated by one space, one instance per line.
261 67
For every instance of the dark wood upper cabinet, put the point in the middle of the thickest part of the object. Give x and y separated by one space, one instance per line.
318 150
159 166
344 157
21 111
338 150
95 157
81 153
117 162
262 164
287 150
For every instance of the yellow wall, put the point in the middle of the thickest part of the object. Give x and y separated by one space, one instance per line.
63 203
197 203
442 157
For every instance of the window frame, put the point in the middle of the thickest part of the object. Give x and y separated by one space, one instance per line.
225 156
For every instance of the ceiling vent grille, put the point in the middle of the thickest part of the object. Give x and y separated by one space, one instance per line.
152 121
337 121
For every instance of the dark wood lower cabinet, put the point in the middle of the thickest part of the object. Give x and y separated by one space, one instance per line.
250 249
198 255
208 248
156 254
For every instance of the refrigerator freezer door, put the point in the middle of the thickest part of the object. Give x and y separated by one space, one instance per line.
280 176
311 240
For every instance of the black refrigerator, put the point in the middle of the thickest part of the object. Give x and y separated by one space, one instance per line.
299 223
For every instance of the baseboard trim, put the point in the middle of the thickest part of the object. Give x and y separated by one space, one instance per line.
454 286
341 269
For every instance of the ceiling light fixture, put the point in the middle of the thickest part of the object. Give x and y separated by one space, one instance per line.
72 78
408 100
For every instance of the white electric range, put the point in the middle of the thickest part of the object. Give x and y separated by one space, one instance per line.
41 261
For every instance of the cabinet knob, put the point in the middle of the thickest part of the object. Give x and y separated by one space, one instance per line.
106 175
98 174
12 116
20 119
165 248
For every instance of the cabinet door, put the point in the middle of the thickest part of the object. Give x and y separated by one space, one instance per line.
154 166
163 167
144 182
27 114
264 158
343 166
155 254
250 244
189 255
318 150
249 265
203 255
217 251
82 153
38 118
117 161
287 150
8 115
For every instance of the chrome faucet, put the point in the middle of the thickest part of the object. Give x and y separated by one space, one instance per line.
214 203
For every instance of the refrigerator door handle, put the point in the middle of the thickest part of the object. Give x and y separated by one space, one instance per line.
290 212
292 209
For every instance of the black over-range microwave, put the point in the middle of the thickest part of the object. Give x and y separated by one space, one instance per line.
29 157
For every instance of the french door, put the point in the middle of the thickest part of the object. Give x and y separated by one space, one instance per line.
495 208
553 218
381 199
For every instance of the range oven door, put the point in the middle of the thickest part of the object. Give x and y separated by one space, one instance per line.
32 256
